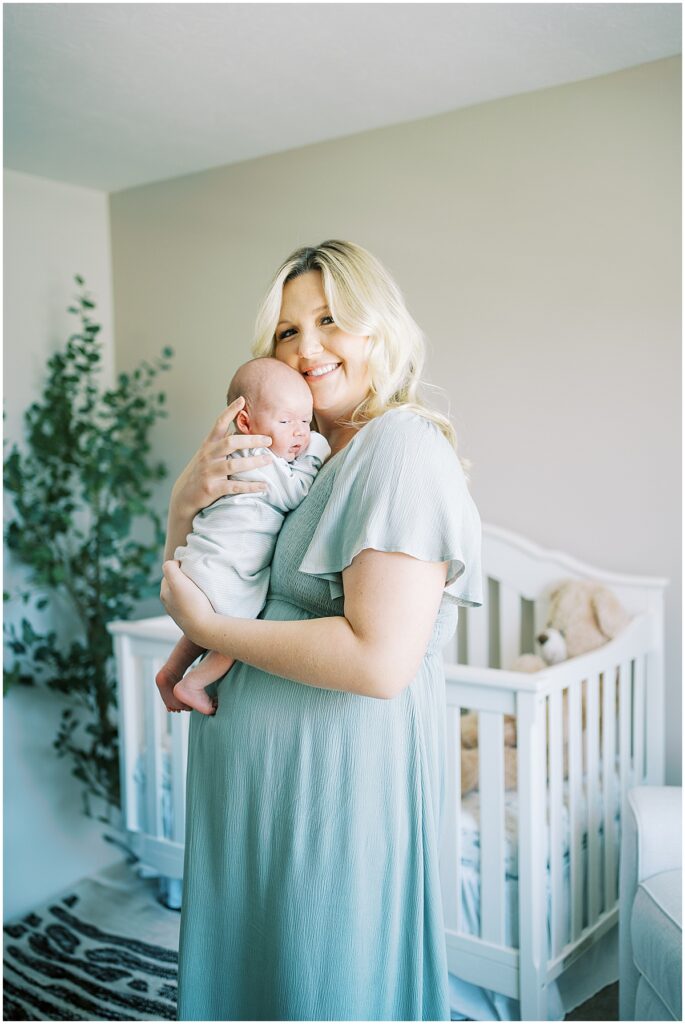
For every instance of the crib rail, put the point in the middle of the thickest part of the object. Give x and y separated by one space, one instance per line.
584 718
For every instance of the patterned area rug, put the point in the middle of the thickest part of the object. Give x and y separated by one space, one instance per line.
107 950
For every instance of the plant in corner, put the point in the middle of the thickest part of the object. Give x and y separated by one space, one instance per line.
84 528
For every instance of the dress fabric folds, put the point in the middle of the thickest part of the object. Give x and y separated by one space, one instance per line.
311 881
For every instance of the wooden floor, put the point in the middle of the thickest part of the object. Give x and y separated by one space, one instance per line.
602 1006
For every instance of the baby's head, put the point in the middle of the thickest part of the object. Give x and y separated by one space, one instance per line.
278 402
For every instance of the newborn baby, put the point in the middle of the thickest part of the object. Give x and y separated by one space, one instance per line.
230 549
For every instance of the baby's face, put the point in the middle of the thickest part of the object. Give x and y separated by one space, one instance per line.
286 420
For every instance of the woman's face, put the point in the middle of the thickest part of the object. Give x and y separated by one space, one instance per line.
333 363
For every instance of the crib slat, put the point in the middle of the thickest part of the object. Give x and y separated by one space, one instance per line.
530 758
654 772
592 740
491 785
179 747
556 797
624 731
477 631
153 750
163 731
128 668
639 715
575 797
450 849
509 625
608 768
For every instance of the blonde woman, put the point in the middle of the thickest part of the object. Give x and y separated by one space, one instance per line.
311 887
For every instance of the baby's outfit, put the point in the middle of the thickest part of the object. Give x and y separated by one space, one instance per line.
228 555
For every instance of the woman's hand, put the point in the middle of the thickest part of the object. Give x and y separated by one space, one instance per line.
185 602
207 476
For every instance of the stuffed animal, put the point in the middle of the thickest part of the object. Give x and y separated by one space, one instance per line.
582 617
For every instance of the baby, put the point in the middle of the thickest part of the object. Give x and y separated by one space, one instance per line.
230 549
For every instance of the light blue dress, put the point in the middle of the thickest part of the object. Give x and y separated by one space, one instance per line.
311 885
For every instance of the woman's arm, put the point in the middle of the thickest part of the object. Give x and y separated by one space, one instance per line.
207 475
374 649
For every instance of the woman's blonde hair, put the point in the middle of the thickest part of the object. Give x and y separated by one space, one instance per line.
364 300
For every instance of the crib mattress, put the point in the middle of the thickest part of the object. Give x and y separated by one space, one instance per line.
597 968
470 823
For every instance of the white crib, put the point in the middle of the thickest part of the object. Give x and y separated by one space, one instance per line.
568 832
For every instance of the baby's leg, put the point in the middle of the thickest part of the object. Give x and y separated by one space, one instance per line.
191 689
182 657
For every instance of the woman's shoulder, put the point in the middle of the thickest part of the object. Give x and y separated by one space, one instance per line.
401 454
401 423
406 434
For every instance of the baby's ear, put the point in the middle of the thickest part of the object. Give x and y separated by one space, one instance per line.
242 422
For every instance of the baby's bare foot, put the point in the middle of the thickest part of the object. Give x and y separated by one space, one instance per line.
166 679
195 698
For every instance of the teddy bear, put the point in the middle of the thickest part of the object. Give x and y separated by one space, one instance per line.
583 616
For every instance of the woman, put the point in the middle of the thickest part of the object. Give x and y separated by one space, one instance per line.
311 886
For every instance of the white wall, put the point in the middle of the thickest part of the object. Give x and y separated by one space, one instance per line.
537 240
51 232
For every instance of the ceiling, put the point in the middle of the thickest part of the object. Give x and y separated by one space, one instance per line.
111 96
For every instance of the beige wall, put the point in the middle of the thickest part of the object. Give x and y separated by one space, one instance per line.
537 240
51 232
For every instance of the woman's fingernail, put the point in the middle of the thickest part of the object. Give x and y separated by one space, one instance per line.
266 440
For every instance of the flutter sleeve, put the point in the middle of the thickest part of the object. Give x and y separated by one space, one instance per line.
400 487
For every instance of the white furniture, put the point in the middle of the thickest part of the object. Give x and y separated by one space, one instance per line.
651 926
560 901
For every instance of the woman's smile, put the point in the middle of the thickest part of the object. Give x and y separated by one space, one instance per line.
320 370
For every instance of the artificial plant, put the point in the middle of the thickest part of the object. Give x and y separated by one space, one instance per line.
84 527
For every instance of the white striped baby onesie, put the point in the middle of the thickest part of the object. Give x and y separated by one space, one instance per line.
228 555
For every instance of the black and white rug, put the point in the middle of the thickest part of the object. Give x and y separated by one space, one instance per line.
106 950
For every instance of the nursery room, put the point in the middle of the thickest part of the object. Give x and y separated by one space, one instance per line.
432 769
